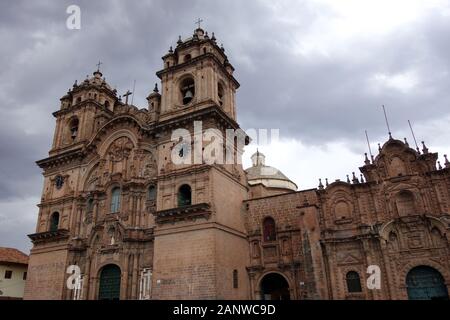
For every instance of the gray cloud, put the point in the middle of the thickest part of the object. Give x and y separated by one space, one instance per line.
315 96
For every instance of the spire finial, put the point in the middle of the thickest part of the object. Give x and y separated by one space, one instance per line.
326 182
355 179
362 178
366 160
425 149
170 49
156 88
320 184
379 147
439 165
406 142
179 40
348 179
447 163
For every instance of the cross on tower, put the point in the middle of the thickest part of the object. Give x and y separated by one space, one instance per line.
198 22
98 65
126 96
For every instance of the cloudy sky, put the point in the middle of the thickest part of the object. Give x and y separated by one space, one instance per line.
317 70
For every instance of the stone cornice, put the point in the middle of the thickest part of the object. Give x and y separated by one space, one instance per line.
192 212
197 168
212 110
210 55
80 105
49 236
57 160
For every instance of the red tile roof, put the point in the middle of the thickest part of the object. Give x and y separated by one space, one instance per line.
11 255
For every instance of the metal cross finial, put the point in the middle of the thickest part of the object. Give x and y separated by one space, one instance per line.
198 22
98 65
126 96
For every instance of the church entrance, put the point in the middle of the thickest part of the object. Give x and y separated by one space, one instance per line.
426 283
109 287
274 287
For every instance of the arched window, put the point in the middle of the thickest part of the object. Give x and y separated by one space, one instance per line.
187 57
235 279
115 200
90 205
54 221
59 181
73 126
269 231
220 94
151 195
187 89
353 282
184 196
106 104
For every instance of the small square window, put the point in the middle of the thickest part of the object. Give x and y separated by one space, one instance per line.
24 276
8 274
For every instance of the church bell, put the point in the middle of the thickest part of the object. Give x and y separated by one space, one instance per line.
188 97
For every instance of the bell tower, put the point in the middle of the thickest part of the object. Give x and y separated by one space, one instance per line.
83 109
200 246
197 74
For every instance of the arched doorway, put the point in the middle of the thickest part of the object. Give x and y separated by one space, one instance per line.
274 287
426 283
109 286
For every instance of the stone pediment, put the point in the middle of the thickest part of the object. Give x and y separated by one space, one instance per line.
348 258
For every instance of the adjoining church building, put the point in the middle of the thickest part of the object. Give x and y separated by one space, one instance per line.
139 226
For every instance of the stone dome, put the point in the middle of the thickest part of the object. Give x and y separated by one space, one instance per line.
268 176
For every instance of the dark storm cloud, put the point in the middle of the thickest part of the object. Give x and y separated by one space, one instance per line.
316 97
19 175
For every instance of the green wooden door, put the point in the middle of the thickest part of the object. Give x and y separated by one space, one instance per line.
109 288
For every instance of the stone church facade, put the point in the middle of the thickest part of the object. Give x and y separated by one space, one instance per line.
138 226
